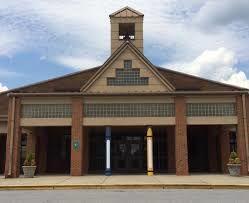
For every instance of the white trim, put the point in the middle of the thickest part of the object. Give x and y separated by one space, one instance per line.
130 99
149 154
129 121
211 99
46 122
215 120
46 100
108 154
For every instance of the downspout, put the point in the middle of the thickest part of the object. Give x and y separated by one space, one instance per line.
12 134
245 128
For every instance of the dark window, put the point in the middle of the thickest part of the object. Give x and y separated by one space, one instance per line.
127 64
211 109
127 31
129 110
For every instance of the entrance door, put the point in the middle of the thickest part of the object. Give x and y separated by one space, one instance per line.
2 152
160 155
128 152
59 150
96 150
197 149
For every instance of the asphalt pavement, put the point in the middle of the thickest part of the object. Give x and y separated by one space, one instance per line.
124 196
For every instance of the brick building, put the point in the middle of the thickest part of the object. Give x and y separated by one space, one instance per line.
125 116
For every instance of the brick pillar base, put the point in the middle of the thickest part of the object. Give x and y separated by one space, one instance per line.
241 140
12 165
181 144
212 149
77 138
171 149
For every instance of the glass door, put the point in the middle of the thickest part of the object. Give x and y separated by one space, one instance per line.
128 154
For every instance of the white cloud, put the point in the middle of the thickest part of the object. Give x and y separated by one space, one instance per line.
218 65
3 88
62 30
223 12
83 62
9 43
60 27
7 73
239 79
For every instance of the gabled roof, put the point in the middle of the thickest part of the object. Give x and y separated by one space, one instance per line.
126 12
66 83
74 82
114 56
187 82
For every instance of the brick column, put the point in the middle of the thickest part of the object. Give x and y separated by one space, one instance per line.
171 149
31 141
77 137
247 113
181 144
224 148
212 149
12 166
241 141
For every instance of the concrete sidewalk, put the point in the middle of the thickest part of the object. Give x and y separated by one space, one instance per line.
126 182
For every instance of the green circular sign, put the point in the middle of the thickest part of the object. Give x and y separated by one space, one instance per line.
76 145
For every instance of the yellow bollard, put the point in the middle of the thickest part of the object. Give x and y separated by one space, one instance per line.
150 152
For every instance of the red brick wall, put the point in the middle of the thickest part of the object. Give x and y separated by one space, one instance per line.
181 145
247 116
16 140
8 138
77 135
31 141
224 147
247 120
241 142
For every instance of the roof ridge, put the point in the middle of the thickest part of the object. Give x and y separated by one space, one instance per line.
124 8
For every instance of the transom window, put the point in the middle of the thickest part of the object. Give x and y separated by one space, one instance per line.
46 111
130 110
211 109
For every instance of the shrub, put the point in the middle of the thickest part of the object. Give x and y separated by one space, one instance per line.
234 159
30 159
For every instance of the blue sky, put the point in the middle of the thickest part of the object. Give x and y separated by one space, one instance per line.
43 39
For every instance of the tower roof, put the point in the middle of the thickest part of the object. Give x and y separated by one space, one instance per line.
126 12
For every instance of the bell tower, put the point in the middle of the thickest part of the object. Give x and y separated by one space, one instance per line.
126 24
